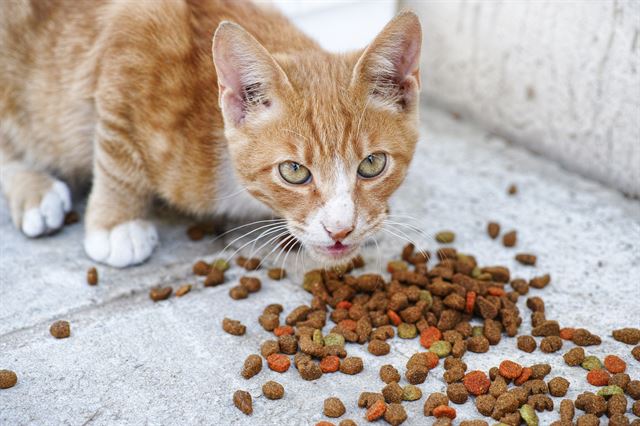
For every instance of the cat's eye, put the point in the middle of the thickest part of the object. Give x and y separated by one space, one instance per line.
294 173
372 165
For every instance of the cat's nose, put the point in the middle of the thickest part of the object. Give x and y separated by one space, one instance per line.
338 234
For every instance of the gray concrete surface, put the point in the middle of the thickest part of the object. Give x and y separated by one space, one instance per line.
132 361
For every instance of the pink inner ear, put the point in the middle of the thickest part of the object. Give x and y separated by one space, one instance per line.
409 57
232 105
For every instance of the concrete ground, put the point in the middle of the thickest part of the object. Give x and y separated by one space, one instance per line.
132 361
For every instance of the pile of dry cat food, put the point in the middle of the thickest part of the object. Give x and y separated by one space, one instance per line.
436 305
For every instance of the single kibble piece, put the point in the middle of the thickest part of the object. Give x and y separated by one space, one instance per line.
434 400
630 336
512 189
445 237
476 382
252 366
269 321
509 239
614 364
411 393
583 337
636 353
591 362
309 370
273 390
8 379
493 229
376 410
509 369
220 265
160 293
238 293
457 393
540 282
234 327
269 347
558 386
567 410
417 374
214 277
333 407
183 289
388 374
276 273
352 365
598 377
92 276
528 415
347 422
574 357
60 329
551 344
242 401
395 414
379 347
526 259
252 264
201 268
330 364
444 411
251 284
392 392
527 343
588 420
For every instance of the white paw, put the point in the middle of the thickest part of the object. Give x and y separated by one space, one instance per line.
127 244
49 215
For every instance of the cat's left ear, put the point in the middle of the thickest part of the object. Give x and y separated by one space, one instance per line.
390 65
248 76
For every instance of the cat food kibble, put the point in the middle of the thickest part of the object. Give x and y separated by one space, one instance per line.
242 401
510 370
493 229
201 268
476 382
8 379
379 347
333 407
392 392
234 327
457 393
60 329
598 377
376 410
636 353
558 386
330 364
591 363
527 343
251 284
252 366
251 264
509 239
526 259
276 273
574 357
92 276
352 365
411 393
445 237
160 293
214 277
395 414
444 411
630 336
220 264
388 374
614 364
273 390
551 344
183 289
278 362
238 293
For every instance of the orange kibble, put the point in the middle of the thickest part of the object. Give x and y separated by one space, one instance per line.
567 333
524 376
282 330
432 360
429 335
278 362
348 324
376 410
598 377
614 364
345 304
509 369
330 364
394 317
476 382
496 291
324 423
470 302
444 411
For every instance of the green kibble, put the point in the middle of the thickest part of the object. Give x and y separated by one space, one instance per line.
592 363
442 348
334 339
528 414
317 337
220 264
425 295
476 272
311 278
407 331
411 393
610 390
478 330
445 237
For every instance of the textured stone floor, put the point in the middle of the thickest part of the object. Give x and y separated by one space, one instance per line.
132 361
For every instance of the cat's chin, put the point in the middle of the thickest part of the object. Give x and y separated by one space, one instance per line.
333 255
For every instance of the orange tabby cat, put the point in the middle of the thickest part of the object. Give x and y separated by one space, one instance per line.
137 97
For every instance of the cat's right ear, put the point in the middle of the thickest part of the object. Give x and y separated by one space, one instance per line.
248 76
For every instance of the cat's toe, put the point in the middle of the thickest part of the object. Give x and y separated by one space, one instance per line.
127 244
49 215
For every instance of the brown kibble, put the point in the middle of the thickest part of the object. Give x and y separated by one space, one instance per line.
547 328
630 336
367 399
214 277
591 403
493 229
526 259
251 264
60 329
238 293
379 347
498 386
567 410
588 420
635 408
309 370
505 404
298 314
558 386
92 276
269 321
417 374
636 353
352 365
276 273
242 401
535 303
485 404
434 400
478 344
457 393
388 374
619 379
520 285
407 252
551 344
454 374
251 284
201 268
395 414
617 404
333 407
540 282
583 337
540 402
160 293
540 371
252 366
288 344
8 379
633 389
183 289
234 327
527 344
269 347
574 357
273 390
512 189
392 392
509 239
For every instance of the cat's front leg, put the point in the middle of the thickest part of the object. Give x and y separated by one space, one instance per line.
117 232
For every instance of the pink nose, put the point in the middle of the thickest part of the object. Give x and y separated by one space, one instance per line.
338 234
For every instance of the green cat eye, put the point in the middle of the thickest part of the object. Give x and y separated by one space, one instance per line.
294 173
372 165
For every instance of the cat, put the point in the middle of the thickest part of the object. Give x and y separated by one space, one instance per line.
216 107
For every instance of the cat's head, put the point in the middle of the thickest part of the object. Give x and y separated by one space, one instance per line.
323 139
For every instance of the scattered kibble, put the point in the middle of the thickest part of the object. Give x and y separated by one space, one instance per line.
509 239
526 259
92 276
183 289
445 237
242 401
276 273
8 379
60 329
160 293
252 366
493 229
630 336
333 407
273 390
234 327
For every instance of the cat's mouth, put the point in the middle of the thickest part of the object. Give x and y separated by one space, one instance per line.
337 251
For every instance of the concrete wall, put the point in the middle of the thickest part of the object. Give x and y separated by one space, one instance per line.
560 77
